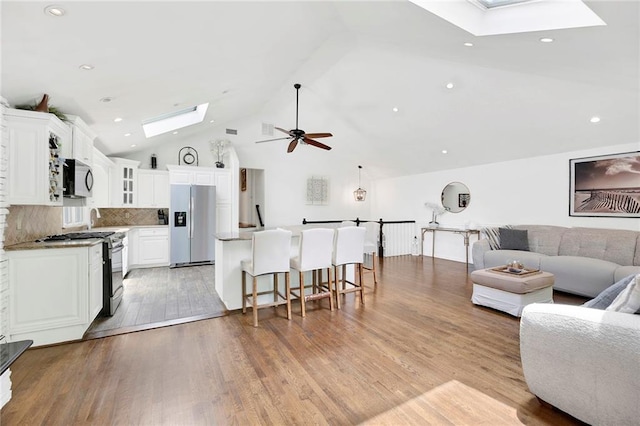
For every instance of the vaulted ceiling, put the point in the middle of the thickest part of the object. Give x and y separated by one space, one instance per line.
513 96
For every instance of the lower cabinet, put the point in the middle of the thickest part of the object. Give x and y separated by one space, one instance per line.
54 294
149 247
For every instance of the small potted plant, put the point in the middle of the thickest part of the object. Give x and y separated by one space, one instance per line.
436 210
218 148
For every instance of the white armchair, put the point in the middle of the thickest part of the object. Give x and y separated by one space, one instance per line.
583 361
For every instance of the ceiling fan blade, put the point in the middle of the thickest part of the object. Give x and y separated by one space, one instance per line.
282 130
316 143
318 135
292 145
271 140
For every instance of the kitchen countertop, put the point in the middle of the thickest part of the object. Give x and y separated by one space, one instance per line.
36 245
246 235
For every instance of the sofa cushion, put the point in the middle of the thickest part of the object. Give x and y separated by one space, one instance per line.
608 295
495 258
628 301
513 239
579 275
544 239
613 245
625 271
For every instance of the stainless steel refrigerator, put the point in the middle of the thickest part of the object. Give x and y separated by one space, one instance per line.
192 220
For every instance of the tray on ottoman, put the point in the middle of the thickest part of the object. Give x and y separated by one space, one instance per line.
520 273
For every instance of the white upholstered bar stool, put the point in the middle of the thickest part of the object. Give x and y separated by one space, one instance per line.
371 247
348 248
270 254
314 254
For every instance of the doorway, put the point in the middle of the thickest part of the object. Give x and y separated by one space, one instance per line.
251 199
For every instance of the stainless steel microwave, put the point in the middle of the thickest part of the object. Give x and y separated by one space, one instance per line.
77 179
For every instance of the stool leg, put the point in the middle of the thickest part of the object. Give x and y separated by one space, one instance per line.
287 283
275 288
330 284
244 292
373 268
337 288
255 302
360 282
302 306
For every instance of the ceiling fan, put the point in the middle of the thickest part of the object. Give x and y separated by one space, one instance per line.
298 135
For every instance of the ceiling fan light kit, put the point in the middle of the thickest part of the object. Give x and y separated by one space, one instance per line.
298 135
359 194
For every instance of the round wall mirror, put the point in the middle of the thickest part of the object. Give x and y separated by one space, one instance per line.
455 197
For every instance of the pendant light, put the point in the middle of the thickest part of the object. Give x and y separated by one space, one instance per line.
359 194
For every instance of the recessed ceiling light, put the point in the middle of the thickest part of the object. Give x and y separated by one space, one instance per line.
394 109
106 99
55 11
117 119
127 134
468 44
175 133
595 119
133 146
546 40
444 151
211 121
86 67
449 86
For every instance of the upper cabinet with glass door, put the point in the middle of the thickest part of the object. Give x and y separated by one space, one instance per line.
125 183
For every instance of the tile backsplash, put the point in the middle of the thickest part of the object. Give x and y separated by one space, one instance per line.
28 223
131 217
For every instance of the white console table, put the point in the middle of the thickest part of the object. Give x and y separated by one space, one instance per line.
466 233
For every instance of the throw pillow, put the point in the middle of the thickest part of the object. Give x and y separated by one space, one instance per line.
629 300
514 239
609 294
492 234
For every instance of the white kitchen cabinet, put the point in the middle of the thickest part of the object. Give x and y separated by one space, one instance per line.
82 137
57 300
96 265
223 186
35 165
103 169
149 247
124 183
153 188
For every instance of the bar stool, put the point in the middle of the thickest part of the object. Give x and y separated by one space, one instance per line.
314 254
348 248
270 253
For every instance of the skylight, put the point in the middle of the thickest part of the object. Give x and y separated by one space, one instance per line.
490 4
490 17
174 120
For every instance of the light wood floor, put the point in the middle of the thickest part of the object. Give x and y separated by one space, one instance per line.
418 352
156 297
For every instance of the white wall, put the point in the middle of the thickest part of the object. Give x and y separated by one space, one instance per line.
528 191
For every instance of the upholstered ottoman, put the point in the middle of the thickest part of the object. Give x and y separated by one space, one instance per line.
510 293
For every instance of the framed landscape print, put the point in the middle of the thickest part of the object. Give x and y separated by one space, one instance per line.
607 186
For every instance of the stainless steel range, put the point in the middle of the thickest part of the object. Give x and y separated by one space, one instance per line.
112 277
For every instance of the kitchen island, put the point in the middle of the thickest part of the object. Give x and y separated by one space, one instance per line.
232 248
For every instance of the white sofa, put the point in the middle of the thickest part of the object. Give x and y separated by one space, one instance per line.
583 361
585 261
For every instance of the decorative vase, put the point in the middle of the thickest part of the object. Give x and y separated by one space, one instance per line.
43 106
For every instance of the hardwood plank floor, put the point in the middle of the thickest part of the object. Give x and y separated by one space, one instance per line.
418 352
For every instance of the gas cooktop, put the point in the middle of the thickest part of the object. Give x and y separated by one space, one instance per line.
76 236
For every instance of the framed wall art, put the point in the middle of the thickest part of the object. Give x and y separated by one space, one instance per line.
605 186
